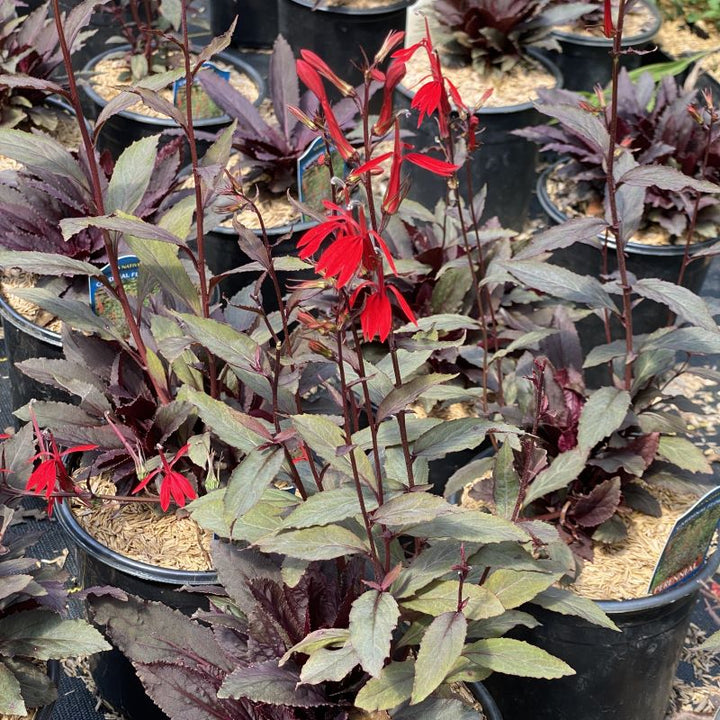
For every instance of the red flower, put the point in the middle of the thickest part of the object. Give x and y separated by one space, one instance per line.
395 73
172 483
52 471
608 27
376 316
317 63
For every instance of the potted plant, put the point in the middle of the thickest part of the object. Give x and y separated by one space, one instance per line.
489 52
621 417
33 634
137 88
672 238
585 43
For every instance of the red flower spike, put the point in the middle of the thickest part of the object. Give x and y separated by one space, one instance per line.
345 149
309 76
173 484
392 198
608 26
403 305
376 316
317 63
395 73
437 167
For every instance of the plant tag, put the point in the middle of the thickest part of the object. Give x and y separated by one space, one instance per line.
313 180
203 106
101 302
688 543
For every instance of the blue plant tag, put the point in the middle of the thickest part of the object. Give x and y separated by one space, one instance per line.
203 106
101 302
313 179
688 544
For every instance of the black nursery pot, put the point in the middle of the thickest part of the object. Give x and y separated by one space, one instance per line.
23 341
257 21
54 671
223 253
620 676
339 34
486 700
643 261
504 162
585 60
124 128
98 565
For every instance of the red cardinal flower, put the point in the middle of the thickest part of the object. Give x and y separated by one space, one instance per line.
172 483
52 472
317 63
608 27
376 315
395 73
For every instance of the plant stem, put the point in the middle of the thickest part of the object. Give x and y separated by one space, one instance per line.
97 192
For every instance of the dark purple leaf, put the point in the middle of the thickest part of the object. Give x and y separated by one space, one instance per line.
599 505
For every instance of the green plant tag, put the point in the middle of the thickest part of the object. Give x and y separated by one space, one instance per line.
688 544
203 105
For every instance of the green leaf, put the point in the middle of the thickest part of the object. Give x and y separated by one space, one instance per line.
601 354
515 657
456 435
323 638
468 525
431 564
237 429
561 283
46 263
38 151
160 260
250 479
603 413
131 175
208 512
43 635
399 398
329 506
441 646
442 597
506 482
529 339
267 683
687 339
329 665
684 454
683 302
121 223
712 644
316 543
266 517
501 624
451 289
11 701
411 508
391 687
565 602
324 437
219 338
559 474
513 588
373 617
436 708
446 322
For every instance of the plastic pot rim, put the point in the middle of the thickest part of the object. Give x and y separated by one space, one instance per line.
231 233
482 694
559 217
136 568
536 55
602 42
11 315
393 7
164 122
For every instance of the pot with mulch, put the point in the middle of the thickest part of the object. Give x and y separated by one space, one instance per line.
625 675
156 550
584 60
340 30
503 162
107 74
257 21
655 254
